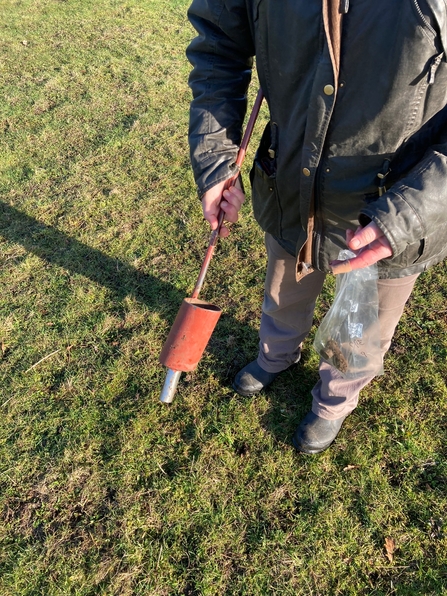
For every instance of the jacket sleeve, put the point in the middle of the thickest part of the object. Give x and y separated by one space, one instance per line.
413 212
221 56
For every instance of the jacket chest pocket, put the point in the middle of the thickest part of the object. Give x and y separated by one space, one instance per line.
422 62
422 94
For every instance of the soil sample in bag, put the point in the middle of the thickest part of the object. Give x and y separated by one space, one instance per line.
333 352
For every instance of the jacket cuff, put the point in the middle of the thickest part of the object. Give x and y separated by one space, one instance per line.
215 170
396 218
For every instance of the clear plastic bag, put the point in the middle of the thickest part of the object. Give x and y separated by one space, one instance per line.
348 338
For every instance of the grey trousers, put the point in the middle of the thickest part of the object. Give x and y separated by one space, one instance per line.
287 314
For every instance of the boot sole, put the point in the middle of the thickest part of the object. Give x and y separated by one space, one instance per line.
246 393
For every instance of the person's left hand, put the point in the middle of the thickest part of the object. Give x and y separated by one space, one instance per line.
372 244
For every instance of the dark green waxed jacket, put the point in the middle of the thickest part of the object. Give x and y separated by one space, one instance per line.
360 138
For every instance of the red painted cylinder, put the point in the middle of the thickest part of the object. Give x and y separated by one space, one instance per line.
189 334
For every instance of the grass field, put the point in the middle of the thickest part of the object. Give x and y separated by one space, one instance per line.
105 491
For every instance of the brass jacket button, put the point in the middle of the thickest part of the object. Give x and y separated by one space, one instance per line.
329 89
306 171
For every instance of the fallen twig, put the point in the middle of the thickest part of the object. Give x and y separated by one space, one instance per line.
42 359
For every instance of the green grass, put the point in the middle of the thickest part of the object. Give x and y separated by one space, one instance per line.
103 490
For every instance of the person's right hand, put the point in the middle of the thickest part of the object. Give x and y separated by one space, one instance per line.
230 201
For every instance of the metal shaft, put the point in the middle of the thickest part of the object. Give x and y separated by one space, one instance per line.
171 382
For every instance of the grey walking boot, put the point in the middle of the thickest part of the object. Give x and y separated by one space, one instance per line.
315 434
252 379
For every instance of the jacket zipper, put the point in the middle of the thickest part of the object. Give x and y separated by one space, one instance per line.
433 68
421 14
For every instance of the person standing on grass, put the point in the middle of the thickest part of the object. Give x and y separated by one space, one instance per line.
355 153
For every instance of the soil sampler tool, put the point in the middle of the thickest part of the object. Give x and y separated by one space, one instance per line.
196 318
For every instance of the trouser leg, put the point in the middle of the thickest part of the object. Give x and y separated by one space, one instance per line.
287 310
287 315
334 396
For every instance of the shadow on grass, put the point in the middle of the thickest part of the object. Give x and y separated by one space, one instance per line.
57 248
290 400
116 275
